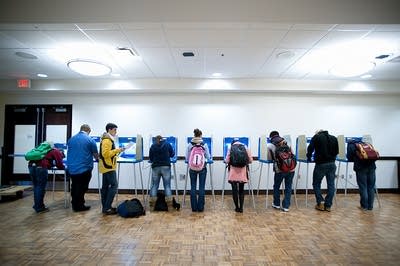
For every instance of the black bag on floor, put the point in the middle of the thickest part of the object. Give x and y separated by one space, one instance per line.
131 209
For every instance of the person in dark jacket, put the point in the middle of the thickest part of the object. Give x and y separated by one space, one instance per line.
159 156
39 174
365 173
326 149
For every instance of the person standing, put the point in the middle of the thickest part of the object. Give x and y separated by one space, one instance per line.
160 155
81 151
326 149
365 174
237 160
198 152
107 165
280 175
38 170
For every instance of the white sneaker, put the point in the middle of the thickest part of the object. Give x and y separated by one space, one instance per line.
285 210
276 207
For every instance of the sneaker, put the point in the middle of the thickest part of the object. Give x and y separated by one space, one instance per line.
45 209
320 207
111 211
285 209
276 206
328 209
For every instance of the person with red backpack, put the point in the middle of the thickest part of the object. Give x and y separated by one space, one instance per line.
284 166
238 159
197 154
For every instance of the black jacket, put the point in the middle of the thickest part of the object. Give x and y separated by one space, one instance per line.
160 154
325 146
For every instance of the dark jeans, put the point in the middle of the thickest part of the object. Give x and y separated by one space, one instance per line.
39 177
79 186
278 178
321 170
197 203
108 189
366 185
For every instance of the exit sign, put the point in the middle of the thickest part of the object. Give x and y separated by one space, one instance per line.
24 83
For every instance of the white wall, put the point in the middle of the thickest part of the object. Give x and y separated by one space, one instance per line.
228 114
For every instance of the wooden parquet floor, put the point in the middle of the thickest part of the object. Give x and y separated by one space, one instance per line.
218 236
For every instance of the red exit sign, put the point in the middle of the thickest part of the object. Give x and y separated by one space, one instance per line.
24 83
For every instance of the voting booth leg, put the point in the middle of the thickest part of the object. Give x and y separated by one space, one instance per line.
307 185
223 186
337 181
134 179
54 182
141 181
295 186
377 197
211 184
259 178
176 182
251 192
185 187
266 188
116 194
148 188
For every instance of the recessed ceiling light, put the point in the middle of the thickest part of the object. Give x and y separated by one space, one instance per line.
285 55
25 55
42 75
89 67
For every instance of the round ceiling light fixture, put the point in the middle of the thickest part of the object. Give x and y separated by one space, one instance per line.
89 67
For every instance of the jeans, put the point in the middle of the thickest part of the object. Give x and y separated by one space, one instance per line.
79 186
366 184
156 174
197 203
321 170
39 177
108 189
278 178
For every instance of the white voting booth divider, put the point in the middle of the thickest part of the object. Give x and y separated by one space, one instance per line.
174 143
209 162
226 146
263 159
301 156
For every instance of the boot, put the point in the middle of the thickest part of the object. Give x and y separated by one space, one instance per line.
176 205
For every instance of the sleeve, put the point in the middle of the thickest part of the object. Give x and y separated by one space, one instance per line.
351 150
58 157
207 152
250 156
93 149
310 149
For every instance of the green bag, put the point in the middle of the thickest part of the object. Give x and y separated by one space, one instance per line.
38 153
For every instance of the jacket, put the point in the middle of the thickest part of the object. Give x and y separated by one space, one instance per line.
53 158
358 163
238 174
160 154
108 154
326 148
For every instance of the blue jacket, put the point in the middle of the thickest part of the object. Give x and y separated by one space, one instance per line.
160 154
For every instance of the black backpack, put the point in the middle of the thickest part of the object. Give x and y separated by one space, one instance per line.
161 204
238 155
131 209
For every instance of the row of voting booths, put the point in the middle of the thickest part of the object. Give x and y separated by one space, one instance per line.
132 164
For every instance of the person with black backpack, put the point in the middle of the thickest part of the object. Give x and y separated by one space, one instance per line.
197 153
237 160
284 167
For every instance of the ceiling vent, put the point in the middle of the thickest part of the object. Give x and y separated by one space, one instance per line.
188 54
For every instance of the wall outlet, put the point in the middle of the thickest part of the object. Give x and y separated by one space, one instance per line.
182 177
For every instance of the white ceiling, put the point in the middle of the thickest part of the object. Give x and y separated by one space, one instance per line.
245 47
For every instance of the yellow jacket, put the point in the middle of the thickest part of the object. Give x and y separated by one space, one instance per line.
108 155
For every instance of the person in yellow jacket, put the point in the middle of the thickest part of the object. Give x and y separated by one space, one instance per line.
107 166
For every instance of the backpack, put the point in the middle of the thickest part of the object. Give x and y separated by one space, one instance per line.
197 158
365 151
238 155
161 204
285 159
38 153
131 209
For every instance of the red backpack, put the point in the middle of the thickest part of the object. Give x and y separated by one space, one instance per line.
197 157
365 151
285 158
